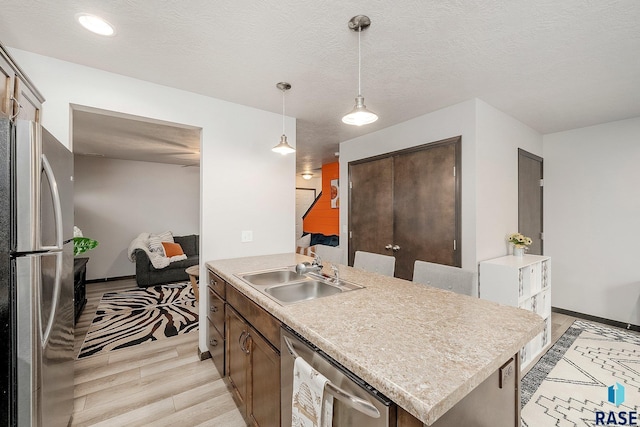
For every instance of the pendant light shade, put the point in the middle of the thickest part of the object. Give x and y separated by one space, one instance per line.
360 115
283 146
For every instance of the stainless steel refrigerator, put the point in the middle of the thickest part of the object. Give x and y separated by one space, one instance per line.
36 276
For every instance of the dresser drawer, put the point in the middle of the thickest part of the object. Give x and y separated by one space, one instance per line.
217 284
216 311
216 346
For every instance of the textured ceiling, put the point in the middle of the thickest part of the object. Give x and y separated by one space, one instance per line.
553 65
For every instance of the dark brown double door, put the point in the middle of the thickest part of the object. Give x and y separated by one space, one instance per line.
407 204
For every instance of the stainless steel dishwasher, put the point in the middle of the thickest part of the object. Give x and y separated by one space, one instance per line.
355 402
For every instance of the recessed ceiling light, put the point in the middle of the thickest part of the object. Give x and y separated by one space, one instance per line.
95 24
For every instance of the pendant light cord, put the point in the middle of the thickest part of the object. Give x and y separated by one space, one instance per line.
359 61
283 111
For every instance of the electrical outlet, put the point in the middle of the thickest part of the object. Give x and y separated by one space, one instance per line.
247 236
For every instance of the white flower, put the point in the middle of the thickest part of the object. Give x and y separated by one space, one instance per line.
77 232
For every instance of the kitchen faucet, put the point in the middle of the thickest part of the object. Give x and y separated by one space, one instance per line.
306 267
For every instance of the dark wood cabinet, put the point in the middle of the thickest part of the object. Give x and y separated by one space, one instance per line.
253 360
237 356
407 204
79 285
217 335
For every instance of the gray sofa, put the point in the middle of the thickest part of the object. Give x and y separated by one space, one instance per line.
148 275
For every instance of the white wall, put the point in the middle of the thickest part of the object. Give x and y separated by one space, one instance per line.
592 219
115 200
497 141
315 182
243 184
459 119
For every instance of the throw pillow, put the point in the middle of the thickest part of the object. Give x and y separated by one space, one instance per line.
172 249
155 241
304 241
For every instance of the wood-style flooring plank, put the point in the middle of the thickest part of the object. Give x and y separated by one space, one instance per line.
157 383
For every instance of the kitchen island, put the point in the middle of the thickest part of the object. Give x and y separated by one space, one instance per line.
424 348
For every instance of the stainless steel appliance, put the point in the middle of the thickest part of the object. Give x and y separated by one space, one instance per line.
355 402
36 281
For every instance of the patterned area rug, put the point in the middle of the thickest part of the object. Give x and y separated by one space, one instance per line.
128 318
574 379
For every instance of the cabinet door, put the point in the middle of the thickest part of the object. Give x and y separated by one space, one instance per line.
237 357
424 205
28 106
6 88
263 406
371 207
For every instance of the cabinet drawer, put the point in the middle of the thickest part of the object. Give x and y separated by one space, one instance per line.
216 311
216 347
267 325
217 284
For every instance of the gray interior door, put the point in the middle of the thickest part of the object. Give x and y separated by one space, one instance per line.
530 188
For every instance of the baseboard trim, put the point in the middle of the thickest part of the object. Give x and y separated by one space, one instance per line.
110 279
610 322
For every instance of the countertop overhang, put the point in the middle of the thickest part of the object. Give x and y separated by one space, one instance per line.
424 348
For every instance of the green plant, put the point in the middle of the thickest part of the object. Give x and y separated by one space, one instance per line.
83 244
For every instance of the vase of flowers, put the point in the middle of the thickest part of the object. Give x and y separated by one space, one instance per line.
520 243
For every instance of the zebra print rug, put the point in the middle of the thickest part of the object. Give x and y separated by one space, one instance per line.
136 316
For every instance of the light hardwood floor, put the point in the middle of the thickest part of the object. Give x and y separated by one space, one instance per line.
161 383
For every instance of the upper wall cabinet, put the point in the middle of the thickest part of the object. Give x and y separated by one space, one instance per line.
19 99
407 204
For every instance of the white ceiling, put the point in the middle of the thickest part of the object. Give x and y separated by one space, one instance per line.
554 65
122 136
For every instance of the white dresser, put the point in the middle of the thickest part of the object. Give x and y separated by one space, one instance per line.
523 282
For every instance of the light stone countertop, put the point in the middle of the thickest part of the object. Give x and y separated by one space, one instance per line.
422 347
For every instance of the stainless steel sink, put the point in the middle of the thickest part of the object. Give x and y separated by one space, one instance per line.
294 292
285 286
273 277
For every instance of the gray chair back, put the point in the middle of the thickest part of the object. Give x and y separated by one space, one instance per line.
375 263
332 254
445 277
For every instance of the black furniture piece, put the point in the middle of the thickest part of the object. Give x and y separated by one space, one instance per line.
79 285
148 275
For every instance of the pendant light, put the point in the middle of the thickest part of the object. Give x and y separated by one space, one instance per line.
283 146
359 115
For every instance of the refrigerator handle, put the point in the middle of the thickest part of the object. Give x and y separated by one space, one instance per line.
53 185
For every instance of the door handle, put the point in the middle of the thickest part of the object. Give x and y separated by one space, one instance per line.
395 248
389 246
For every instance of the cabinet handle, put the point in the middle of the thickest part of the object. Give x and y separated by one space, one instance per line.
19 107
213 309
213 282
213 342
240 341
244 343
395 248
389 246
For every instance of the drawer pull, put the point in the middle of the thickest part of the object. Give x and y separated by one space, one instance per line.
213 282
213 309
213 342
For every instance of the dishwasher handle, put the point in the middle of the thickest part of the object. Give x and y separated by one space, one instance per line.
349 399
